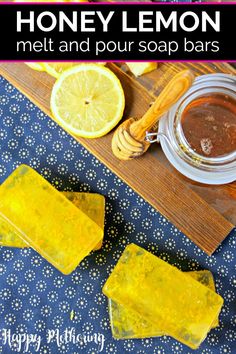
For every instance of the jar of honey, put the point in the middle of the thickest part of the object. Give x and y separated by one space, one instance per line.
198 134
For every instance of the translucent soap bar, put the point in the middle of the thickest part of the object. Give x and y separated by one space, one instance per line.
9 235
163 295
205 277
127 324
92 205
46 220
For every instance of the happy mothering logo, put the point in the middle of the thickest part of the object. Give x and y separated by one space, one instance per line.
23 342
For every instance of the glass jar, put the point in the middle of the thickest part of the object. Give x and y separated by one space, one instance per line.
204 169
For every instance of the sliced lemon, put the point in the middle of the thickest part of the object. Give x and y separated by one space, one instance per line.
56 69
139 69
36 66
88 100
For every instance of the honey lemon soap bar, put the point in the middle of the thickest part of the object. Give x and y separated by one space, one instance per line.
92 205
163 295
46 220
127 324
9 235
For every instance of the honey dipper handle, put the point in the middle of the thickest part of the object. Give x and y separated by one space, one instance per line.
177 86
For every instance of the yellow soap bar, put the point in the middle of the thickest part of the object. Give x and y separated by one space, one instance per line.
205 277
163 295
92 205
128 324
9 236
46 220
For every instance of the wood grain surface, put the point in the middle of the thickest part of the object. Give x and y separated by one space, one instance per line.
222 198
149 175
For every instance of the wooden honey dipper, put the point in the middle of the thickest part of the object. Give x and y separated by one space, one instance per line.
129 139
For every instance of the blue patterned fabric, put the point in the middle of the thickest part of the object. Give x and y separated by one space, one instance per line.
35 297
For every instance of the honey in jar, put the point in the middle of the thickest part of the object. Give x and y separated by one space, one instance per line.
209 125
198 134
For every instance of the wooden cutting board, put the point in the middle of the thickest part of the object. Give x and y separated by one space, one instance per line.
206 214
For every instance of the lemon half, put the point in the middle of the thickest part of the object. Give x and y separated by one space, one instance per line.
88 100
56 69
